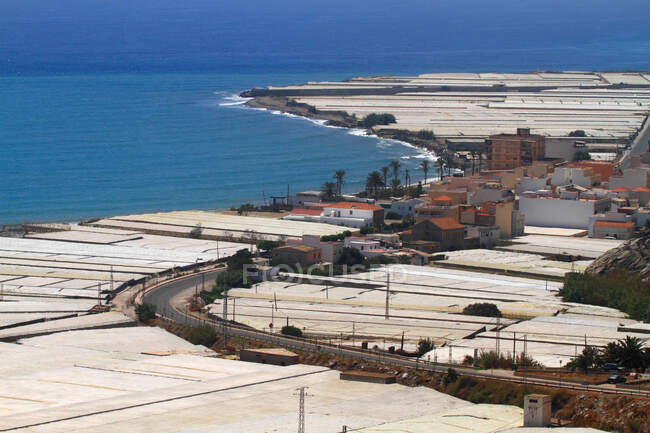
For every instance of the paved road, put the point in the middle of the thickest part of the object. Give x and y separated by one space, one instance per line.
163 297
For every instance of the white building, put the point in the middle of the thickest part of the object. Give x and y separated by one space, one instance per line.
348 214
362 244
548 211
406 207
351 214
632 178
571 176
490 192
530 184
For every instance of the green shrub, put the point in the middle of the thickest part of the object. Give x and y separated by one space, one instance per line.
577 133
367 230
391 215
581 155
204 335
426 134
267 245
425 345
195 233
622 291
291 330
374 119
350 257
145 312
484 309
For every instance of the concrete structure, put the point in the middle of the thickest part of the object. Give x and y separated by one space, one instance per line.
303 255
526 184
362 244
269 356
353 214
348 214
574 176
509 219
446 233
330 250
508 151
549 211
612 225
631 178
490 192
537 410
406 206
367 376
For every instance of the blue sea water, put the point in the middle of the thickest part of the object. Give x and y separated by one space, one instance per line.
117 107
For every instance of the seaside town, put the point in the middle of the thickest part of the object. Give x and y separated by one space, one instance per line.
501 287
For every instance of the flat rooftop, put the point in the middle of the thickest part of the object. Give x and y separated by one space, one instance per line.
92 381
218 224
477 105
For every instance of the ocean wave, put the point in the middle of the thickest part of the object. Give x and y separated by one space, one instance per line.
233 100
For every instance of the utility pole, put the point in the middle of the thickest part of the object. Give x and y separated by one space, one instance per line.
387 293
514 347
112 286
225 318
202 281
498 336
301 409
99 293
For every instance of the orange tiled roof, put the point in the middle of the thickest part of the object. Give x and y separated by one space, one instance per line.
353 205
315 212
442 198
446 223
614 224
621 189
641 189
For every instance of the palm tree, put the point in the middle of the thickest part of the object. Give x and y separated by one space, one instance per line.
328 191
395 184
441 164
384 172
631 353
424 165
373 182
395 165
406 177
339 175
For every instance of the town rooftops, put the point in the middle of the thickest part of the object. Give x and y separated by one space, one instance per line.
352 205
446 223
614 224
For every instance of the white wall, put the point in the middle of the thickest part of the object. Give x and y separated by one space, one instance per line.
556 213
530 184
632 178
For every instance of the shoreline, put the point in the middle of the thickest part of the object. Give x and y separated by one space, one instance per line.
337 119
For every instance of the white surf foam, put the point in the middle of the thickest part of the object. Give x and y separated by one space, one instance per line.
234 100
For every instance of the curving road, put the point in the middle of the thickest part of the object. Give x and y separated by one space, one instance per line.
163 297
